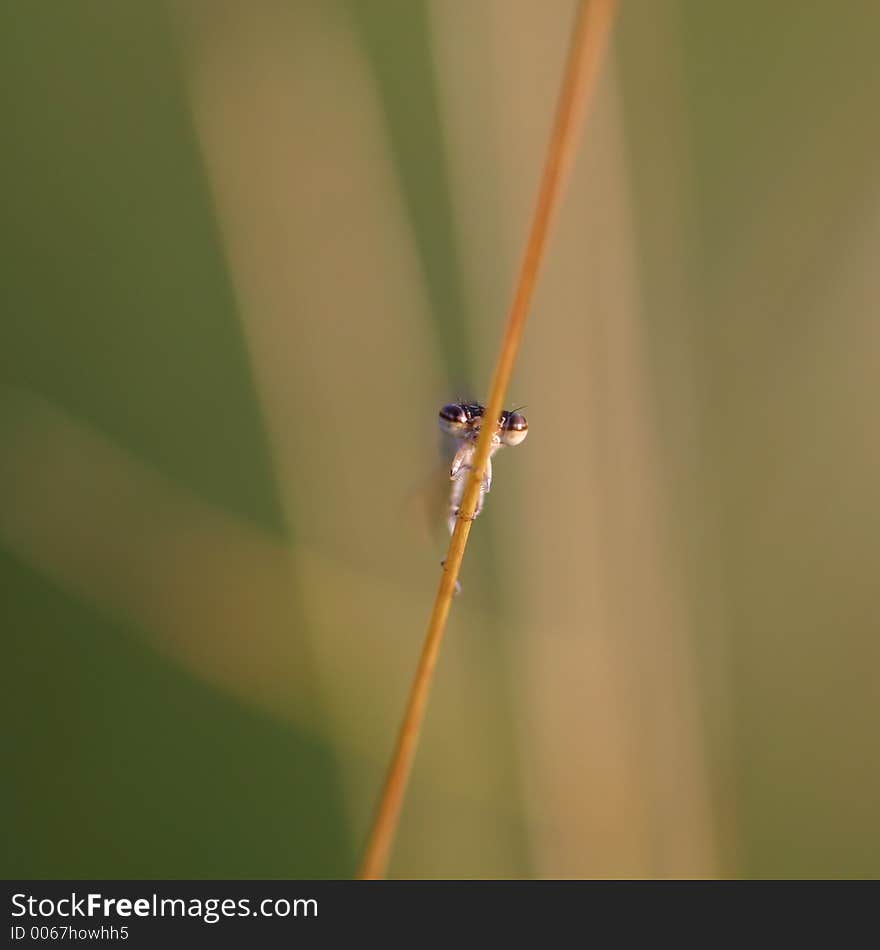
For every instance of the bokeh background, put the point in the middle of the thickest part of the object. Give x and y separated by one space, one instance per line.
248 251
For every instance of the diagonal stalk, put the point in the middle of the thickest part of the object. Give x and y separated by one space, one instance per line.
590 38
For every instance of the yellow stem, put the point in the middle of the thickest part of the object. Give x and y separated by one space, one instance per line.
589 41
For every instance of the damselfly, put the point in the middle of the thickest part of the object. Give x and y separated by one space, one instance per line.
463 420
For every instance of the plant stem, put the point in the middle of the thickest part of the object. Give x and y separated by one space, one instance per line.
590 38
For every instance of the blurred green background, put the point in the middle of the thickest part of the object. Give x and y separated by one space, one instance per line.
249 250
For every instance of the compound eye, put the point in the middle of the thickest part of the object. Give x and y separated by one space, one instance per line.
453 419
514 428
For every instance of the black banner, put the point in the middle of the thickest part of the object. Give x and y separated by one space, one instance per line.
265 913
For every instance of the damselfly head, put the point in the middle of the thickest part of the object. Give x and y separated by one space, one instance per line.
463 420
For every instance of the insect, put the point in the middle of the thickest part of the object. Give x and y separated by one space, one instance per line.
462 420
